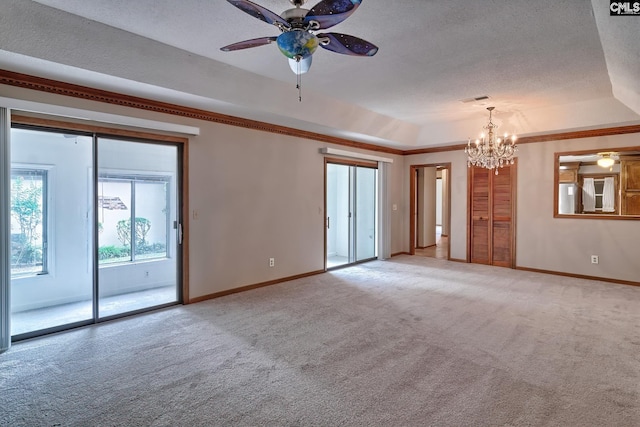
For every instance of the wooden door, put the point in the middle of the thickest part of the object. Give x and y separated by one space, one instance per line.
480 215
492 201
630 186
501 215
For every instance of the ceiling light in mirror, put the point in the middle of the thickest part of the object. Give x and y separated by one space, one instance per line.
606 160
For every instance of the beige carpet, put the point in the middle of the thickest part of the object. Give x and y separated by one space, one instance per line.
407 342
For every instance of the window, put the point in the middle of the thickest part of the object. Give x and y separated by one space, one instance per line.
599 193
133 218
28 221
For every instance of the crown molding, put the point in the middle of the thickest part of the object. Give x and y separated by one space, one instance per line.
26 81
41 84
591 133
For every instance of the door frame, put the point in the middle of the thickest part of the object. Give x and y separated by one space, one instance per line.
413 188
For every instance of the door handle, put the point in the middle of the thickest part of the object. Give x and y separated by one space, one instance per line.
328 223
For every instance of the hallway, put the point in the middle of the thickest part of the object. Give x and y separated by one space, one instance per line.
440 250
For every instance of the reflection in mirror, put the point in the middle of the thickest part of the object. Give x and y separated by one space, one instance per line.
603 183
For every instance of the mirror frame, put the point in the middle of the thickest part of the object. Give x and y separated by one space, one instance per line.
556 183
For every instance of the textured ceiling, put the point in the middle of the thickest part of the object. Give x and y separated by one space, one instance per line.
546 65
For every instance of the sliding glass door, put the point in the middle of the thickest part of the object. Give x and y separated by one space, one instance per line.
351 204
94 228
51 230
137 225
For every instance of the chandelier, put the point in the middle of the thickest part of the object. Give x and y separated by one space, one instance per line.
491 151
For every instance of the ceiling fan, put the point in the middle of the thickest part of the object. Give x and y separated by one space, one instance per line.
298 40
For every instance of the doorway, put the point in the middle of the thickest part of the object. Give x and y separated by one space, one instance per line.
351 223
95 224
430 190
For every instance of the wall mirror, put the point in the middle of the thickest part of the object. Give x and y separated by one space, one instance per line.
598 184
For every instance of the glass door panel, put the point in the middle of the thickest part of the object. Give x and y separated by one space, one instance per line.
138 216
338 211
365 209
52 227
351 214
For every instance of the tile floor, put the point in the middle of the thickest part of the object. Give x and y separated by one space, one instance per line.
49 317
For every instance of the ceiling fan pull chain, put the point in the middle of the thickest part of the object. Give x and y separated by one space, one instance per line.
299 81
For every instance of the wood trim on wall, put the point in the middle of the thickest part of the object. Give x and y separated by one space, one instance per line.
579 276
399 253
254 286
41 84
84 127
324 219
83 92
620 130
413 185
351 162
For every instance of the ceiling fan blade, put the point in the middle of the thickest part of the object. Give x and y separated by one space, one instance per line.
331 12
259 12
347 45
248 43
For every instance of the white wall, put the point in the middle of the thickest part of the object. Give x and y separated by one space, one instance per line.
566 244
542 241
242 221
257 195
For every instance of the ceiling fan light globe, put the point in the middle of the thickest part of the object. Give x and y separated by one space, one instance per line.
297 43
300 66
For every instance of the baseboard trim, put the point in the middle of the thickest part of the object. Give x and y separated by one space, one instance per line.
400 253
251 287
458 260
579 276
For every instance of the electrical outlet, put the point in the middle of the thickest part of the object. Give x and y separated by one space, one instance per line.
272 262
595 259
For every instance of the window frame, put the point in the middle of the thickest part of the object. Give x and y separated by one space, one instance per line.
45 172
600 196
131 177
